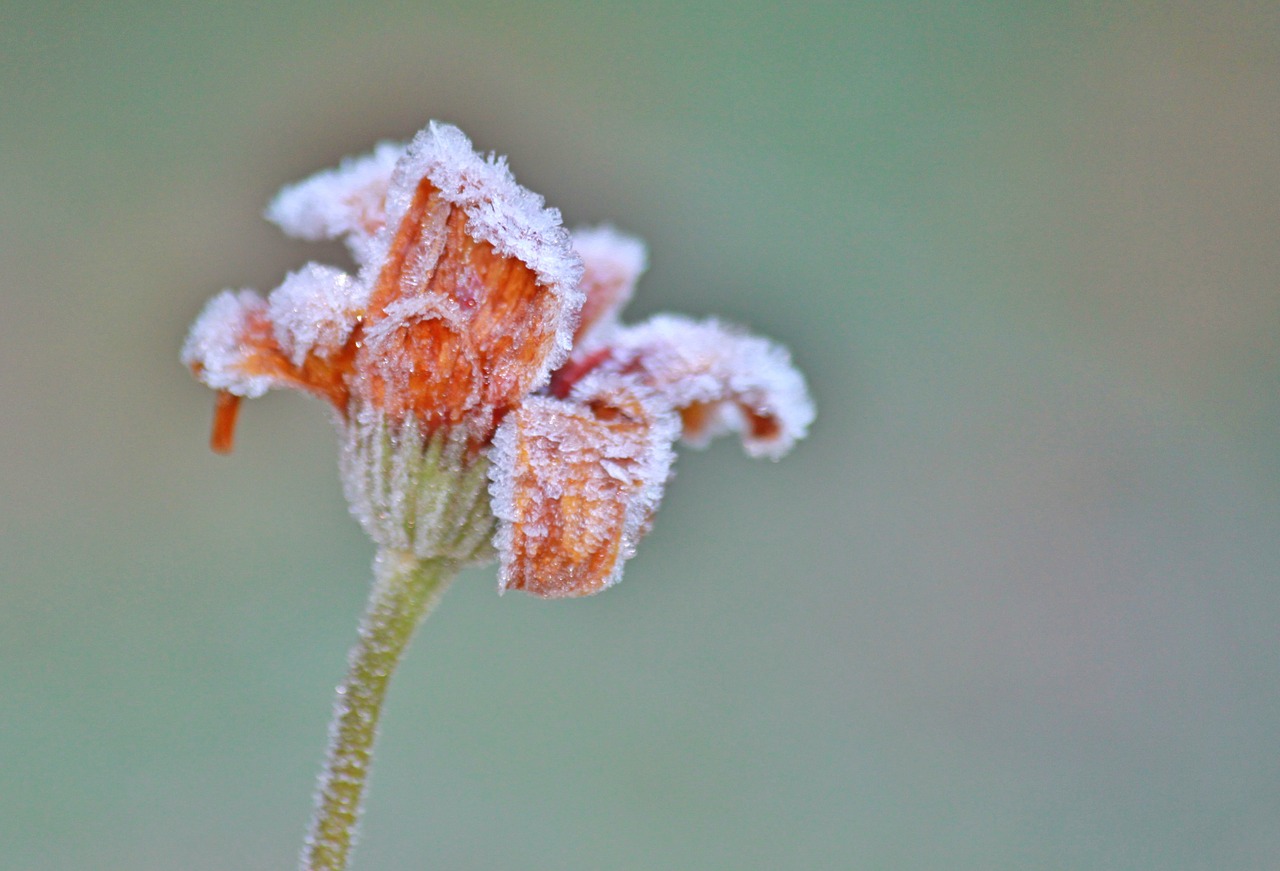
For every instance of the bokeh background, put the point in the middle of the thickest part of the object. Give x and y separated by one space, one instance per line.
1013 605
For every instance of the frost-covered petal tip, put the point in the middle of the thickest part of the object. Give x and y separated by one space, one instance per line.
230 346
347 202
720 378
315 310
612 264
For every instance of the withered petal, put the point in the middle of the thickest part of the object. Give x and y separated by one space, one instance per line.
475 291
346 203
574 484
719 378
232 347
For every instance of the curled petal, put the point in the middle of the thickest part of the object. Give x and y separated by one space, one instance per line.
719 378
612 263
348 202
232 347
574 484
475 290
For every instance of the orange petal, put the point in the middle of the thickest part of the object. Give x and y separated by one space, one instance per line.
232 348
453 327
475 297
574 487
720 379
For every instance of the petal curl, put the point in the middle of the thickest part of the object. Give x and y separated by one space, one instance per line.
474 292
346 203
574 484
612 264
719 378
233 348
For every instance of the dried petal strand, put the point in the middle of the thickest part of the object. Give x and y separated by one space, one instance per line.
226 407
574 486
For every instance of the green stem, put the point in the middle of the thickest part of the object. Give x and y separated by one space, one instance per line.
405 590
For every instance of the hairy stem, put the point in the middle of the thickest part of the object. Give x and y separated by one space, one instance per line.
405 589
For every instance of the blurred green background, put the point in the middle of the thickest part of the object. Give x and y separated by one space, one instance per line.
1012 606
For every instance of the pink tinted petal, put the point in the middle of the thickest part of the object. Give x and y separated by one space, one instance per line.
719 378
612 263
574 484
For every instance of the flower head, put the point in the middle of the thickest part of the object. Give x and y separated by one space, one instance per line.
479 374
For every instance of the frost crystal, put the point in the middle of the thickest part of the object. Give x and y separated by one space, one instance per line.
612 263
347 201
214 348
314 311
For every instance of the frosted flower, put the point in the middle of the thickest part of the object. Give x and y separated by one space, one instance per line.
482 383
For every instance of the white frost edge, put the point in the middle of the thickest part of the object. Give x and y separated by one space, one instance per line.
215 342
610 256
502 495
319 207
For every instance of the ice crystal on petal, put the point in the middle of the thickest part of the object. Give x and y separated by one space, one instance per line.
347 202
720 378
217 347
314 311
612 263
